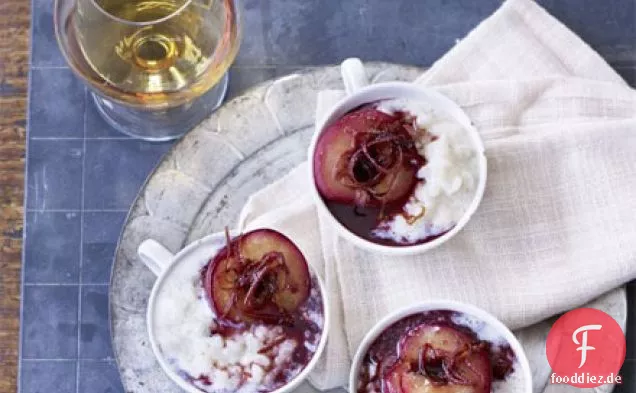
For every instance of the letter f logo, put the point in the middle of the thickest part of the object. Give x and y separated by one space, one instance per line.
584 347
571 339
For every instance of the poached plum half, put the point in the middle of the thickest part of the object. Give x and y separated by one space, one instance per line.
430 353
260 276
249 319
368 158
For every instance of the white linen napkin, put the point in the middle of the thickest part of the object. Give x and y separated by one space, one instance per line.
556 225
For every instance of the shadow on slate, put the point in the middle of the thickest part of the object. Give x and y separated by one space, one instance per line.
101 232
49 327
628 372
95 338
45 52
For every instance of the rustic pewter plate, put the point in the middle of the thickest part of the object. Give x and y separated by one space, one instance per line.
201 186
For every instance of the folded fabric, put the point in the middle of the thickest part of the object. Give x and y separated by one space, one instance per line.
555 228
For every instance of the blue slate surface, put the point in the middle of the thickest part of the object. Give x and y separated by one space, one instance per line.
82 175
101 231
51 249
95 335
56 165
40 376
49 322
64 118
115 169
44 51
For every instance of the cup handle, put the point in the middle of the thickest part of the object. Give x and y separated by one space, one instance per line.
154 255
353 74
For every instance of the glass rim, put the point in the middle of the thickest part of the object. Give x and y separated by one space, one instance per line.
145 23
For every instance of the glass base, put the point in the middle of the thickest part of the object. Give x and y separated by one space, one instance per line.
164 125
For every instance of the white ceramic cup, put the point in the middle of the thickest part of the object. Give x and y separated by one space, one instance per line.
161 262
359 94
467 309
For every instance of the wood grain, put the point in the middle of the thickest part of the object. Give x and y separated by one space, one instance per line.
14 65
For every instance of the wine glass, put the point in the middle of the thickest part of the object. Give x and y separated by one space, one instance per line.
155 68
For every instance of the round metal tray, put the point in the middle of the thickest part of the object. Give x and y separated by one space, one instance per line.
201 186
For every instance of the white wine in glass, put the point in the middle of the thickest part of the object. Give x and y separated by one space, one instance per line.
156 67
